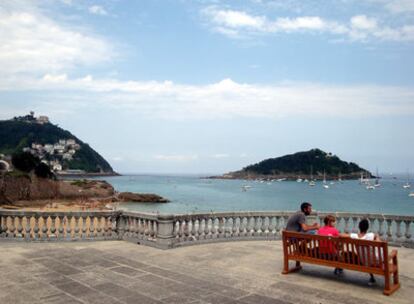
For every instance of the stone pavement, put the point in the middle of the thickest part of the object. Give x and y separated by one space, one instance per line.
234 272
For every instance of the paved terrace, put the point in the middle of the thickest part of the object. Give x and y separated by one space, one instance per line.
234 272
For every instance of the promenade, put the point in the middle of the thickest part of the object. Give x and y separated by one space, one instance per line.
231 272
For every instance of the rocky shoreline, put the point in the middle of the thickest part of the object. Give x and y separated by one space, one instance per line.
23 191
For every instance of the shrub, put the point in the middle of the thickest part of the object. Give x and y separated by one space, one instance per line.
43 170
25 161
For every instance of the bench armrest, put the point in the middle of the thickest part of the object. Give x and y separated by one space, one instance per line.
393 254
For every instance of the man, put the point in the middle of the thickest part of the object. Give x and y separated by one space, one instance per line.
297 222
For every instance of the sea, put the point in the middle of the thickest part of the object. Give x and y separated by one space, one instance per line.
195 194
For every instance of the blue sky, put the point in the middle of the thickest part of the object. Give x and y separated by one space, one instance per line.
212 86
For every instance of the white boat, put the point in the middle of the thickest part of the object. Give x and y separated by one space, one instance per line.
411 194
325 185
377 183
245 187
299 180
370 187
312 182
407 184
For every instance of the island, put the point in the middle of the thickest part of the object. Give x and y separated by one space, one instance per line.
314 164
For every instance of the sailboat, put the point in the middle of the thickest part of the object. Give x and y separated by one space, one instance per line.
311 182
325 185
407 184
377 184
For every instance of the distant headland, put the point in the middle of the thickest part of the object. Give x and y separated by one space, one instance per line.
63 152
314 164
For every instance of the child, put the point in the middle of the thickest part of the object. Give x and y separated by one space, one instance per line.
365 235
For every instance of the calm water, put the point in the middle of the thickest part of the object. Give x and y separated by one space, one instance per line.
194 194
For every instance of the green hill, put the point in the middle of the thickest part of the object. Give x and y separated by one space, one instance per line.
20 133
302 164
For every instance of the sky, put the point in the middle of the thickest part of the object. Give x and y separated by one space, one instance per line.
180 86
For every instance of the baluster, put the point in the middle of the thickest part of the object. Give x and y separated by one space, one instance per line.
221 227
278 225
36 229
84 227
45 228
134 228
354 224
227 227
201 233
346 226
98 227
68 222
52 227
194 229
214 227
256 229
399 234
242 228
106 227
263 227
3 225
271 232
92 227
380 227
407 233
234 229
12 228
19 219
61 229
28 229
389 230
126 226
176 229
141 228
77 227
146 228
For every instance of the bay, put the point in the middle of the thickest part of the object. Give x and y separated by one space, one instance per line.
193 194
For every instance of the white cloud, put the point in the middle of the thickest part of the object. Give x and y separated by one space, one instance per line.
362 22
220 155
240 24
175 158
400 6
224 99
30 42
98 10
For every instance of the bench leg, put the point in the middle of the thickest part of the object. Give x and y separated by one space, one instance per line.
388 289
286 269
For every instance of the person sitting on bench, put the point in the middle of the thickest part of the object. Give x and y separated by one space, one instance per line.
326 248
365 235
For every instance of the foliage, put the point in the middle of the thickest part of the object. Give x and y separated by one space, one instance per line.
314 161
43 170
15 135
25 161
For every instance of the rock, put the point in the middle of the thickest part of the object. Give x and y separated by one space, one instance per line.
141 197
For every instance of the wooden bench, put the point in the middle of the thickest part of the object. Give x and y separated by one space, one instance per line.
358 255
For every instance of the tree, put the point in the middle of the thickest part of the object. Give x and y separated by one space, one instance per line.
25 161
43 170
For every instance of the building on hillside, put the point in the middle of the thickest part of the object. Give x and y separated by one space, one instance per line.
67 156
57 167
42 119
70 142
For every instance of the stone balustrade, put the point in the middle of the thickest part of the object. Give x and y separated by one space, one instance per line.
174 230
58 226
